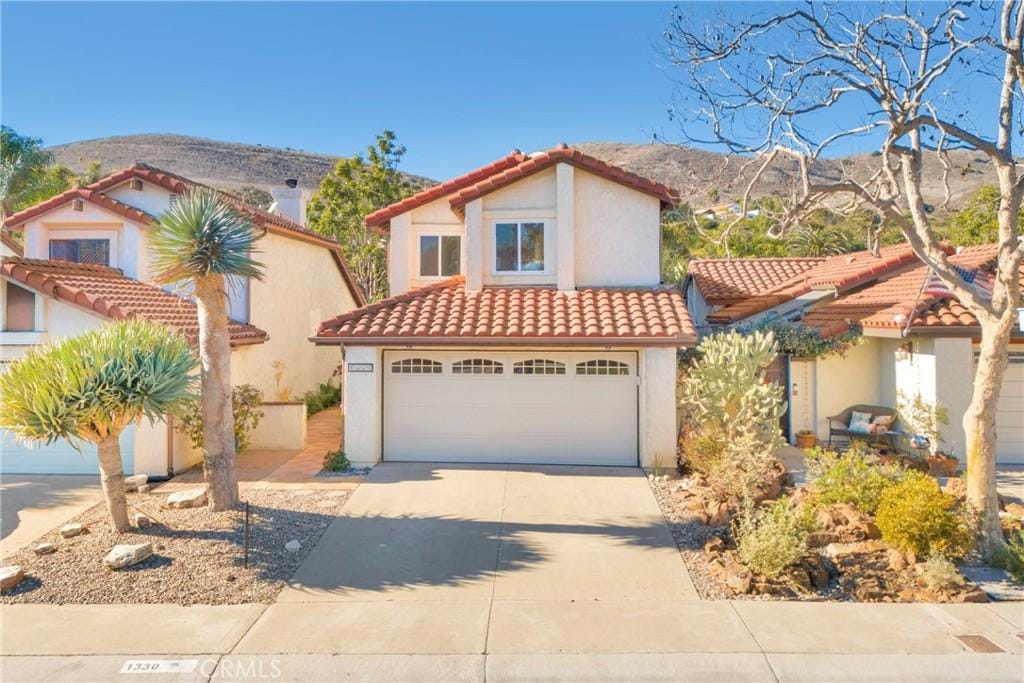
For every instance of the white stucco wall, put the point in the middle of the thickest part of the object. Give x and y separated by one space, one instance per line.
152 199
697 305
127 239
658 406
362 406
844 381
282 428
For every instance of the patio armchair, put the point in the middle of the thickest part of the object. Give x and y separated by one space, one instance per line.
839 425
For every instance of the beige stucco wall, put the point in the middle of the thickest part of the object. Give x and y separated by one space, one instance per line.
844 381
282 428
301 288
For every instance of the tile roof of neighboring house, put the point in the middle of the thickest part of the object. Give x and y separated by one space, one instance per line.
891 303
11 243
729 281
382 217
106 291
562 154
95 193
841 273
446 313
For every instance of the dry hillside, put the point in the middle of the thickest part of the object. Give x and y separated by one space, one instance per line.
694 172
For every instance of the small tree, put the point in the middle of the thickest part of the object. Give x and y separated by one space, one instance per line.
201 241
90 387
355 188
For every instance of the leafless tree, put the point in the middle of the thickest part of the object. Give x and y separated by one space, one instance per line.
882 77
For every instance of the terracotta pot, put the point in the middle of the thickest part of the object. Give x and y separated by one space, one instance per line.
942 465
806 440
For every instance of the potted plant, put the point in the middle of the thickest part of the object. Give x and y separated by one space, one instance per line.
927 421
805 439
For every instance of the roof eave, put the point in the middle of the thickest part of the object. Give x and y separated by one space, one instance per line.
662 342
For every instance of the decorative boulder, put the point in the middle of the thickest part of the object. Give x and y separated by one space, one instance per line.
72 530
133 482
10 576
145 488
292 546
44 549
121 556
141 520
192 498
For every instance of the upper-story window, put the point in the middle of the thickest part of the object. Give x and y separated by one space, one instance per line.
518 247
81 251
440 255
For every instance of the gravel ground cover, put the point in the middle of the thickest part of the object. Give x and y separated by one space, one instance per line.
197 558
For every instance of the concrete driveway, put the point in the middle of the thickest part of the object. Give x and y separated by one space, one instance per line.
32 504
462 559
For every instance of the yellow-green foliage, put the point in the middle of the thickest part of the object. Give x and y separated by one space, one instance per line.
1011 558
773 539
854 477
245 406
916 516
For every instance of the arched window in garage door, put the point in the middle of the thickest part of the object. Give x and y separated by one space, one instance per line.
477 366
416 366
538 366
602 366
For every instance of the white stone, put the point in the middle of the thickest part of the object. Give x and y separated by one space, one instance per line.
192 498
44 549
133 482
141 520
292 546
125 555
10 576
145 488
72 530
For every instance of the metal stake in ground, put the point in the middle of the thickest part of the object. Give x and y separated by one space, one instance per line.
245 538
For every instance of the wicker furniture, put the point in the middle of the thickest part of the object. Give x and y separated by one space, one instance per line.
838 425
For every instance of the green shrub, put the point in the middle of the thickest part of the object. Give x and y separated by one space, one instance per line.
245 404
773 539
853 477
940 574
324 396
916 516
1011 558
702 450
336 461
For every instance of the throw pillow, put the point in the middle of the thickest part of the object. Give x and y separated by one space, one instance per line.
860 422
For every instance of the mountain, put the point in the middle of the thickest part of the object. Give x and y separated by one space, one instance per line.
692 171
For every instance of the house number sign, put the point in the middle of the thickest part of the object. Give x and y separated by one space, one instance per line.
360 367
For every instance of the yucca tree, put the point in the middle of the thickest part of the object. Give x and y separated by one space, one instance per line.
201 241
88 388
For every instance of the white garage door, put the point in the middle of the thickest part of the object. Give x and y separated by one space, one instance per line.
1010 413
532 407
59 458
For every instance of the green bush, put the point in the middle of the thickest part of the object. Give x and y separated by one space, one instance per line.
853 477
336 461
916 516
1011 558
324 396
940 574
245 404
773 539
702 450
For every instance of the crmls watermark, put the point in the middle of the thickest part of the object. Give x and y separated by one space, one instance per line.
226 669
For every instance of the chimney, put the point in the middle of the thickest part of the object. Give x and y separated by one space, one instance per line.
290 202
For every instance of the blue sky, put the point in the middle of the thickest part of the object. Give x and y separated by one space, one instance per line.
461 84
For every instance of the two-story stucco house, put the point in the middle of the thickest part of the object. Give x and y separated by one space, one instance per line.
526 323
86 260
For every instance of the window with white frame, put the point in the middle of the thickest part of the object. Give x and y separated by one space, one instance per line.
477 366
81 251
416 366
538 366
601 366
440 255
519 247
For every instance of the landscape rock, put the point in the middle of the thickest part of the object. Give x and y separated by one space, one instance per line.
820 539
1015 509
10 576
897 560
72 530
732 574
142 521
715 544
133 482
972 594
838 551
191 498
956 487
721 516
125 555
44 549
292 546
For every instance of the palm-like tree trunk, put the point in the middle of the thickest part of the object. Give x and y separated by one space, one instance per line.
112 479
218 417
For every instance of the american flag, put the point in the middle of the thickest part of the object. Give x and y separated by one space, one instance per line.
977 280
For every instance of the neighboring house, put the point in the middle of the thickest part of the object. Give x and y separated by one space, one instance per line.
87 260
527 322
731 211
913 343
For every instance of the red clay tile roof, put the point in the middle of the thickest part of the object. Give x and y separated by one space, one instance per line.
107 292
177 184
381 217
890 303
842 273
728 281
566 155
11 243
446 313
